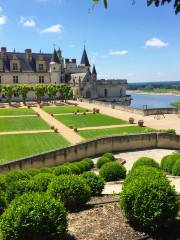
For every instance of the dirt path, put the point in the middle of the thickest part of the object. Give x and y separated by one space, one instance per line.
170 121
105 127
66 132
25 132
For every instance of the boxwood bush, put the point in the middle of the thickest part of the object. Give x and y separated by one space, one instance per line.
147 199
65 170
146 161
15 175
3 204
112 171
95 182
73 167
46 170
32 172
16 188
168 161
34 216
40 182
176 168
101 161
89 161
71 189
109 156
83 166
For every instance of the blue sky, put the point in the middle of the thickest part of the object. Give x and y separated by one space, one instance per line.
125 41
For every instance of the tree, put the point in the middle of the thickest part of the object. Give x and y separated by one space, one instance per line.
52 90
157 3
40 91
8 91
23 91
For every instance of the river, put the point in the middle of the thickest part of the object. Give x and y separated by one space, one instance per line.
153 100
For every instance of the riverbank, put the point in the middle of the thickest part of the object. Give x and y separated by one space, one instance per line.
170 93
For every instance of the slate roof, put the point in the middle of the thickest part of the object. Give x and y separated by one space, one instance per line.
55 57
26 65
94 70
84 59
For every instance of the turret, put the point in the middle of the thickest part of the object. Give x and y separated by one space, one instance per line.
55 68
94 73
84 60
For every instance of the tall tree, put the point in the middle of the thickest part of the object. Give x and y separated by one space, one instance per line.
52 90
8 91
40 91
23 91
157 3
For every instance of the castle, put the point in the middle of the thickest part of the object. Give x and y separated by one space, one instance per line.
44 68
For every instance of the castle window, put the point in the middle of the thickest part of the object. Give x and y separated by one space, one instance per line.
15 67
41 79
15 79
105 92
41 67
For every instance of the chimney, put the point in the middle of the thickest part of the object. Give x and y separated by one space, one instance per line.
28 53
4 53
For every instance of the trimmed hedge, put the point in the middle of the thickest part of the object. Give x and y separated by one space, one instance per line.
82 166
62 170
3 204
112 171
176 168
146 161
73 167
95 182
34 216
110 156
40 182
101 161
168 161
16 175
32 172
46 170
89 161
72 190
147 199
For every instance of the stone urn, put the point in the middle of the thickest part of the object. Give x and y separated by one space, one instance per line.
131 120
75 130
141 123
97 110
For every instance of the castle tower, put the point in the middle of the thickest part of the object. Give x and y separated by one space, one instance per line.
84 60
55 68
94 73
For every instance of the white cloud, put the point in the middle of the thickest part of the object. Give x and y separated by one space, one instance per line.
28 22
53 29
3 19
156 43
118 53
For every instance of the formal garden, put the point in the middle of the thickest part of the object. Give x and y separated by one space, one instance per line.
68 201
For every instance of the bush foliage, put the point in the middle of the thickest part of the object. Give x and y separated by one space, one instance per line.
95 182
112 171
62 170
146 161
34 216
168 161
176 168
110 156
70 189
147 198
101 161
40 182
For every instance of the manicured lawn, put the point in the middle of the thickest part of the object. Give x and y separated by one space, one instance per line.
89 120
18 146
63 109
22 124
90 134
16 111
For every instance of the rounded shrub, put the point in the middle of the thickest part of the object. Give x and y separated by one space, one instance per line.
73 167
112 171
87 165
32 172
16 188
95 182
101 161
2 184
147 199
40 182
3 204
176 168
82 166
16 175
168 161
70 189
146 161
62 170
89 161
34 216
46 170
109 156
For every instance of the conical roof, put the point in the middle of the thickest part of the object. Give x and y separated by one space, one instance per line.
84 59
94 70
55 57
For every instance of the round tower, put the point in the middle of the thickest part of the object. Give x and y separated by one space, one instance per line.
55 68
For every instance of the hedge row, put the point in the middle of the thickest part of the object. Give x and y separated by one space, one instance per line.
171 164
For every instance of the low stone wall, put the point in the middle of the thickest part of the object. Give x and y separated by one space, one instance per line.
95 148
156 111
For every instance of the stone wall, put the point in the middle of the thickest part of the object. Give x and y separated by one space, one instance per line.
156 111
95 148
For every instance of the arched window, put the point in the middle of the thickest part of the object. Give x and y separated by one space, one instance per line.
105 92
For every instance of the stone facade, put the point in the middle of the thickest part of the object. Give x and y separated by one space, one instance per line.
44 68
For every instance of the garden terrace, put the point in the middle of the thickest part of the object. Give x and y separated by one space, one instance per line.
16 111
63 109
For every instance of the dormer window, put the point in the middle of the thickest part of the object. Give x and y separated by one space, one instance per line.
15 67
41 67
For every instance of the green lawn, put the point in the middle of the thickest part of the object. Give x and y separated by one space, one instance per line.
89 120
22 124
63 109
15 111
91 134
18 146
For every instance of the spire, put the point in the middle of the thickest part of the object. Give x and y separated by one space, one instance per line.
84 59
55 57
94 70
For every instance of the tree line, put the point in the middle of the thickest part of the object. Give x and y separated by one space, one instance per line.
64 91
